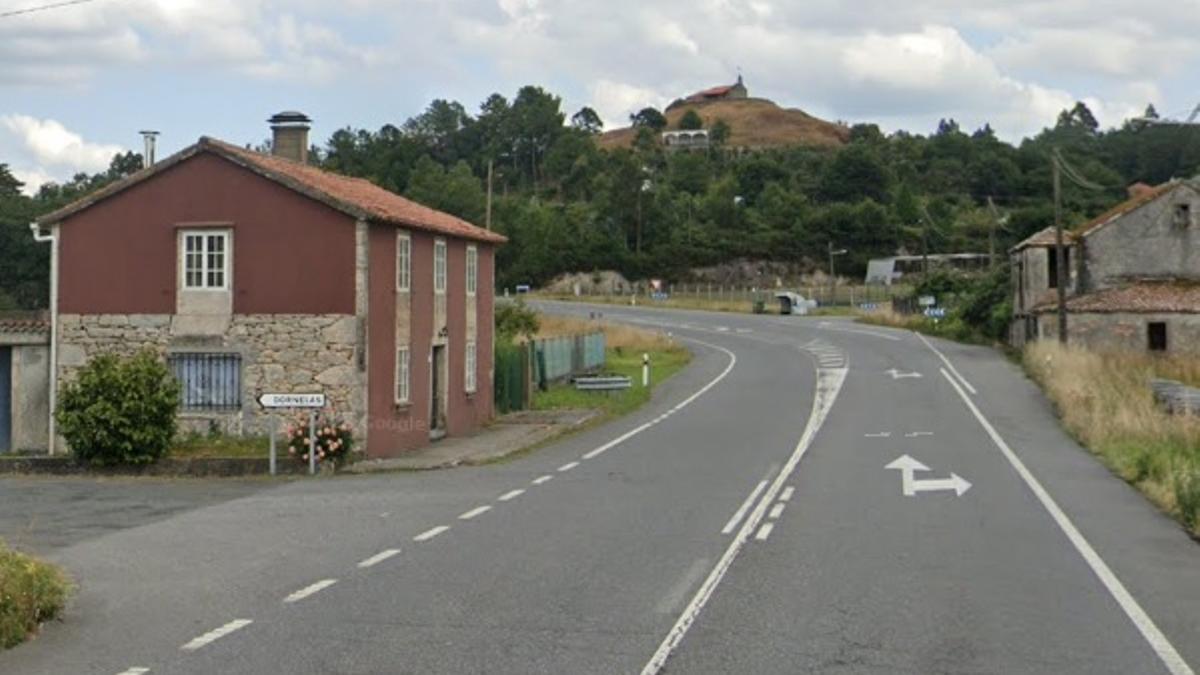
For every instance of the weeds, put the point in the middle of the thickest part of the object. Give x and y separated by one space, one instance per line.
31 593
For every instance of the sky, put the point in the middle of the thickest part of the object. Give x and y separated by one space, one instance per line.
78 82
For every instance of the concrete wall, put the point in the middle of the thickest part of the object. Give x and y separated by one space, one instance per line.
1125 331
1145 243
31 397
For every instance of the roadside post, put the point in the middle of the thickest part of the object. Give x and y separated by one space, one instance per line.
310 402
274 427
645 370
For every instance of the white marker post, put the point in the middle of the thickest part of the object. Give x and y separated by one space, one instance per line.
312 443
645 370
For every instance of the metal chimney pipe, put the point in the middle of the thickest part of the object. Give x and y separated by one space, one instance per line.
149 138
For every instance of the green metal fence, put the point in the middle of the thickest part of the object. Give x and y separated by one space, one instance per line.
512 378
544 361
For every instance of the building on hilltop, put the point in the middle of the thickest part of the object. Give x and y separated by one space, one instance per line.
256 273
1132 275
725 92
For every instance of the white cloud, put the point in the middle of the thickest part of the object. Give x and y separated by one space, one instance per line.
33 179
616 101
50 144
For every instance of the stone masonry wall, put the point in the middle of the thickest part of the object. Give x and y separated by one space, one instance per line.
281 353
1126 331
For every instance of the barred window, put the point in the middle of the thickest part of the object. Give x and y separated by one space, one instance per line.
403 262
205 260
472 269
439 266
471 368
402 375
208 382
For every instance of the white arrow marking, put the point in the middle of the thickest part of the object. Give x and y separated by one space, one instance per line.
900 375
911 486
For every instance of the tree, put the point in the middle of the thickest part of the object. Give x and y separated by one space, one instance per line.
719 133
456 191
856 173
691 121
587 120
649 118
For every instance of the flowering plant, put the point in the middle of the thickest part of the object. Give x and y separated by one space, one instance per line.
334 439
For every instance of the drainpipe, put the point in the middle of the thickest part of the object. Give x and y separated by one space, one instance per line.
52 239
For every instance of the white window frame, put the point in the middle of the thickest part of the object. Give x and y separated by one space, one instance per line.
403 262
439 266
472 269
471 362
205 236
403 375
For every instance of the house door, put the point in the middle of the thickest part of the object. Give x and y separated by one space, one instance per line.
437 412
5 399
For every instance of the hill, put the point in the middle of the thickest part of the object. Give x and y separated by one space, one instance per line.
754 123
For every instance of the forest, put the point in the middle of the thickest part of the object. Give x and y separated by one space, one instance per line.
568 206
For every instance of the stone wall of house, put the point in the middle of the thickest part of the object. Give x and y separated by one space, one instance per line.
1147 242
281 353
1125 331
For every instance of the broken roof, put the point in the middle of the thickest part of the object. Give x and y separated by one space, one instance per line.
1142 194
1141 297
356 197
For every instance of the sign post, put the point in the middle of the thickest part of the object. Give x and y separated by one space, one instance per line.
311 402
274 427
645 370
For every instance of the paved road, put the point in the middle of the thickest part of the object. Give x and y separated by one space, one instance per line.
744 521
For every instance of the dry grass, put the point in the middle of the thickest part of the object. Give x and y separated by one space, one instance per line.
1105 401
753 123
741 306
32 592
616 336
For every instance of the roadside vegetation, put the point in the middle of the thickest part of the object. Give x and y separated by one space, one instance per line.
32 592
1105 401
978 307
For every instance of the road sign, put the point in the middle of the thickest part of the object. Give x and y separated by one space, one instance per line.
911 486
936 312
926 301
292 400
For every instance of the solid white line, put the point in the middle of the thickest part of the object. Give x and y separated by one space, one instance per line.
764 531
214 635
477 511
378 558
542 479
777 511
737 516
883 434
787 494
512 494
948 364
568 466
135 671
310 590
829 384
1155 637
430 534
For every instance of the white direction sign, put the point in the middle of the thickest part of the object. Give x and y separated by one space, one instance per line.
909 466
900 375
292 400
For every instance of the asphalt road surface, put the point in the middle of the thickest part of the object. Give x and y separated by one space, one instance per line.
810 496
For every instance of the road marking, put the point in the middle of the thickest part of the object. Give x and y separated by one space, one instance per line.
385 514
915 434
214 635
911 486
885 336
764 531
882 434
1145 625
901 375
378 558
777 511
513 494
310 590
829 385
948 364
737 516
477 511
135 671
542 479
431 533
568 466
744 331
679 406
787 494
678 593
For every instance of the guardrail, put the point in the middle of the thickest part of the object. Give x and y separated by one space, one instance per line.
1176 397
614 383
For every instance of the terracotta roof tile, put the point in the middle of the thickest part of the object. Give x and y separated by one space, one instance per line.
1142 194
1143 297
1045 237
24 322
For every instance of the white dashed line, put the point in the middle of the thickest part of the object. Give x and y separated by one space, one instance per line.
764 531
741 512
542 479
135 671
787 494
777 511
478 511
310 590
511 495
882 434
378 558
430 534
918 433
214 635
568 467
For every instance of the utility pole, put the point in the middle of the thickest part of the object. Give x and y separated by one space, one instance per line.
997 222
1060 253
488 221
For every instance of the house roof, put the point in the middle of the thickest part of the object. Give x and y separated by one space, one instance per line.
1141 194
1045 237
356 197
24 322
1142 297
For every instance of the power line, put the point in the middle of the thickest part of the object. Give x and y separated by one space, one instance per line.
42 8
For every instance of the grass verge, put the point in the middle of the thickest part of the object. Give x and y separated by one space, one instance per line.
951 328
740 306
32 592
1105 401
221 446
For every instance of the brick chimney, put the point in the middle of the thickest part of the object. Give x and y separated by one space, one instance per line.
289 136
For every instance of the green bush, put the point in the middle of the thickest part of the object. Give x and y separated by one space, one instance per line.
120 410
31 593
513 320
